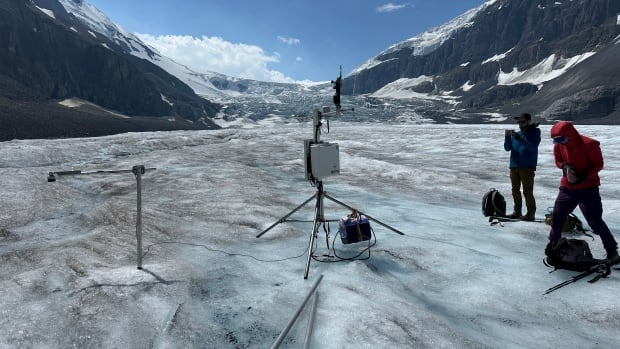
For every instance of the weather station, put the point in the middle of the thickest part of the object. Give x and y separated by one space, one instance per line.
322 160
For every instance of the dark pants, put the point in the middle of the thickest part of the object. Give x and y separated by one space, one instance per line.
523 176
589 201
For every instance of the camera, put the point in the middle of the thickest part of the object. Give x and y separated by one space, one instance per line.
509 132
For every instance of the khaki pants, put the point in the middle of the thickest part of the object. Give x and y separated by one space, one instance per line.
523 176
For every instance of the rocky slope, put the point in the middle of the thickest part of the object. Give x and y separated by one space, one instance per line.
47 56
556 59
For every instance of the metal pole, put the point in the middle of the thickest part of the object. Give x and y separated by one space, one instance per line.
321 202
138 171
320 194
282 335
312 236
285 217
311 321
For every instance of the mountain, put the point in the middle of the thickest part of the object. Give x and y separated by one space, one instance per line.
60 78
555 59
67 70
242 101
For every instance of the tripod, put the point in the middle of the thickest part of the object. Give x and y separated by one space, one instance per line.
320 195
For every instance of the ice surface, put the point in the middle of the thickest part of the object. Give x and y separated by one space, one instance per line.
68 248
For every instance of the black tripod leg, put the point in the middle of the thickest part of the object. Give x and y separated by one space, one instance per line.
285 217
315 230
367 216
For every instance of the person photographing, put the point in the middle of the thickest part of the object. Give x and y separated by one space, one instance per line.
523 148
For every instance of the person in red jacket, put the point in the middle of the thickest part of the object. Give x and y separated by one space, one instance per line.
580 159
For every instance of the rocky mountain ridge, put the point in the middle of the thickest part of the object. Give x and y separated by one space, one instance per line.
507 56
47 56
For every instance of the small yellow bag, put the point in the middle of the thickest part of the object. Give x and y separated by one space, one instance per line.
571 223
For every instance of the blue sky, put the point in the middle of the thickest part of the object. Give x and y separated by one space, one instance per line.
273 40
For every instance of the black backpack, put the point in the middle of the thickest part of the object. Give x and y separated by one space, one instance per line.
570 254
493 204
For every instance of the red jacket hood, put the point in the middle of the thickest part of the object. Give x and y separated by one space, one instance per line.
566 128
580 152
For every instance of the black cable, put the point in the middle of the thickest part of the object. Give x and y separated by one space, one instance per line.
342 259
311 248
221 251
370 244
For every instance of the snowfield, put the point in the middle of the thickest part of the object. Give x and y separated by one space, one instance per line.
69 277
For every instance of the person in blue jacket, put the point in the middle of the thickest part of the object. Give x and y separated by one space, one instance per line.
523 148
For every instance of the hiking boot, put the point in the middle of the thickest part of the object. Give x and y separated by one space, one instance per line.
514 215
527 218
612 257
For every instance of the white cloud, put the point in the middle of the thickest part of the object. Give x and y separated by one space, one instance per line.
217 55
389 7
289 41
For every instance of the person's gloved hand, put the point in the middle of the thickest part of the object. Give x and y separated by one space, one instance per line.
549 249
570 173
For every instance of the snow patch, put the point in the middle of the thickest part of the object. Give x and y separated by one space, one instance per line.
498 57
76 103
467 86
402 88
371 63
163 98
496 117
549 69
46 11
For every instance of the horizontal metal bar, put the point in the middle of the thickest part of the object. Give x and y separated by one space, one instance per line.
80 172
51 176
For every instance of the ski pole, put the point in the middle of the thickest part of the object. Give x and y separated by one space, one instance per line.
601 269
